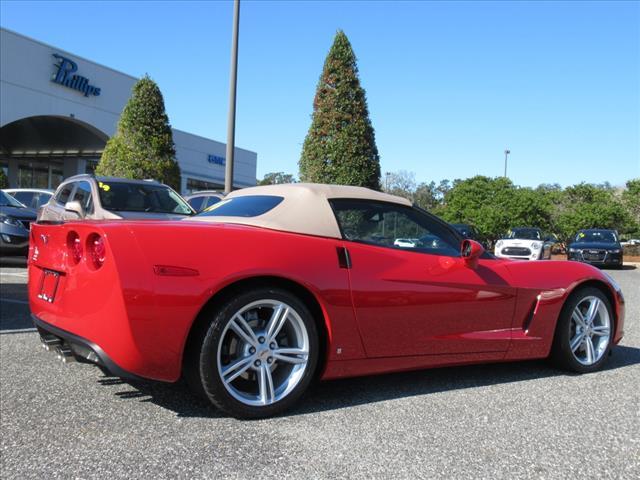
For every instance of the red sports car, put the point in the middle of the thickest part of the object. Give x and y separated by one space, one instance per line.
276 286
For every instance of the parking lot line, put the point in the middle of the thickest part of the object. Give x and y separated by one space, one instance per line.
13 274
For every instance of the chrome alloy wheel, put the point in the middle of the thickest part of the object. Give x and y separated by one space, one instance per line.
590 330
263 352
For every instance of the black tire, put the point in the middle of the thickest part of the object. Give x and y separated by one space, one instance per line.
561 354
208 376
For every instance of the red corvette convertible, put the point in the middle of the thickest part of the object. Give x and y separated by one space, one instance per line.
278 285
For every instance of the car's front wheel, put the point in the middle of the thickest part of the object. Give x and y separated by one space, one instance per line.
259 353
584 331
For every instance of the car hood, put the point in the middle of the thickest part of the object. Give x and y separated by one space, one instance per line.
594 245
518 242
552 275
19 212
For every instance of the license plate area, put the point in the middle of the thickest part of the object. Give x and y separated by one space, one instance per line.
48 285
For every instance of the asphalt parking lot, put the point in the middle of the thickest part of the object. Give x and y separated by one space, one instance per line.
521 420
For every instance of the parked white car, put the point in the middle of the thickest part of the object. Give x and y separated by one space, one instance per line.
523 244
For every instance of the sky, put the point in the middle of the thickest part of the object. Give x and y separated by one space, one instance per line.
449 85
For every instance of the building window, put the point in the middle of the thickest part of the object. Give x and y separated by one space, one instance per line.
195 185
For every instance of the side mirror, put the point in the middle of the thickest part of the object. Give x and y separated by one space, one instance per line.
470 250
75 207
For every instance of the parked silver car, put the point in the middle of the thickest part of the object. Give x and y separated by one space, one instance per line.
97 198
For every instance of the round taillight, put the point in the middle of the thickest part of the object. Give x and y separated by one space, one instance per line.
96 250
75 247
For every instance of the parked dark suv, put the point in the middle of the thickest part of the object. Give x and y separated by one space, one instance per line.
596 246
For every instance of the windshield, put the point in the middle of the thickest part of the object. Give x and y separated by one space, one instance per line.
525 234
138 197
597 236
7 200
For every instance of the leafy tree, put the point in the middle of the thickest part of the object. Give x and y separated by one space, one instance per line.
143 144
591 206
340 146
631 199
493 205
4 181
427 196
274 178
401 183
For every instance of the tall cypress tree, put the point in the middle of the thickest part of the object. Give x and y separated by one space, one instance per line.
340 147
143 144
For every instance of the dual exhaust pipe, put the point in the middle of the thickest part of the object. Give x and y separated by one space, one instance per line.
56 345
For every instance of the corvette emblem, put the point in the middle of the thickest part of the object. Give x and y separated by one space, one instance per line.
44 238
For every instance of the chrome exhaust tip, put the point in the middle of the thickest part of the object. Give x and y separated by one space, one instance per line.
50 343
65 354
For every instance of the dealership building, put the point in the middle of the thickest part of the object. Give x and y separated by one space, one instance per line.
57 111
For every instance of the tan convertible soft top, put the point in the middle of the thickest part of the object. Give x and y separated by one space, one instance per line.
305 208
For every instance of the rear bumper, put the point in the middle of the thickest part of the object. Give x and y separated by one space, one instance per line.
82 349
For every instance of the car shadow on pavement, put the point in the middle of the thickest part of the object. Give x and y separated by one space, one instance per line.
346 393
14 308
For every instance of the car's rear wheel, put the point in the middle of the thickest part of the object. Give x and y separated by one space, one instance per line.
259 353
584 332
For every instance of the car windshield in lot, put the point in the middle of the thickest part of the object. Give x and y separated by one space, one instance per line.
9 201
600 236
249 206
139 197
525 234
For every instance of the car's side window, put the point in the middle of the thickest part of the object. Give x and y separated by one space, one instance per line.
212 200
65 192
42 198
196 203
26 198
393 226
83 195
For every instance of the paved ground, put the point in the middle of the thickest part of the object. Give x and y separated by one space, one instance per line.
522 420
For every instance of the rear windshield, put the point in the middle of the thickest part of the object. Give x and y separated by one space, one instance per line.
249 206
136 197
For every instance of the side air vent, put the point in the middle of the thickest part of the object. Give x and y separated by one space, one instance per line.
344 260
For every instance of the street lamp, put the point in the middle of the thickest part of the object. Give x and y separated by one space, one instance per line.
506 155
233 81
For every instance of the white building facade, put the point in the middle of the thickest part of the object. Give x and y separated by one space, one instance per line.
57 110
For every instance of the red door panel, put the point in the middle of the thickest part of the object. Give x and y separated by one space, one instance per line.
411 303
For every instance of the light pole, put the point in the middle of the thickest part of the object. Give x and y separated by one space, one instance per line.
506 155
233 81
